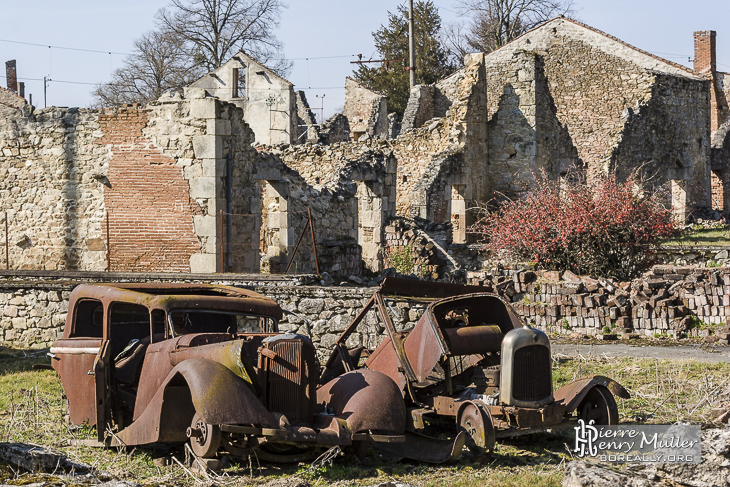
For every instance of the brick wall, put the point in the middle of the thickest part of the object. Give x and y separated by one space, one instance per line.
148 200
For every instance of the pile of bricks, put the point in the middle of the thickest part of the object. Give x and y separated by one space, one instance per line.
667 301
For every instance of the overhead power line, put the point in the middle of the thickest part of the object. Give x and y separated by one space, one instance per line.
64 48
56 81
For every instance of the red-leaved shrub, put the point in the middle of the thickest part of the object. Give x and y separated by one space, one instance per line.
601 229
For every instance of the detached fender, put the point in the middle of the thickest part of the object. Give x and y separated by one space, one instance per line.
572 393
367 399
196 385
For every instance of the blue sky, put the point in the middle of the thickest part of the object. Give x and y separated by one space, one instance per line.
322 36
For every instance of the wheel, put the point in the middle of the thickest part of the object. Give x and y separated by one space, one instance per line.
205 439
600 406
477 423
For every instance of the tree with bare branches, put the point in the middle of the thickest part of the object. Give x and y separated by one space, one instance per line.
493 23
217 29
159 63
193 37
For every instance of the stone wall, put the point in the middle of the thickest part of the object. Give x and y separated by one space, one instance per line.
157 173
350 190
10 103
366 111
153 230
667 301
667 137
52 180
594 85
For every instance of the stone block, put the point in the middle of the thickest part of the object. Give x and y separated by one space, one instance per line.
205 225
204 108
202 187
203 263
218 127
207 147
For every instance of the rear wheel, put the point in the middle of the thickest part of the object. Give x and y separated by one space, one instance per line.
477 424
205 439
600 406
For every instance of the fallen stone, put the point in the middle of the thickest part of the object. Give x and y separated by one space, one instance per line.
713 471
34 458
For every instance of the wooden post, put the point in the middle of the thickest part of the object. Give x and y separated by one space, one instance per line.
314 245
7 247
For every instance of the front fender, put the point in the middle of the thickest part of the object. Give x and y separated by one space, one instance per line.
368 400
218 395
572 393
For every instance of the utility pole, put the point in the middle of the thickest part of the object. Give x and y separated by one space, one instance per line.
411 46
45 80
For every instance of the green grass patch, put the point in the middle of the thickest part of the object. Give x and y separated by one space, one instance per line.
699 236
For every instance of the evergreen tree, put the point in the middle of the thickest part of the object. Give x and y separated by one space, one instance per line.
391 42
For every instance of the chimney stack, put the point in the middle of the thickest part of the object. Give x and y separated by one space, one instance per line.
21 89
705 52
11 75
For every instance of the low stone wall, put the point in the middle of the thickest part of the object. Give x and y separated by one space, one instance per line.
702 256
667 301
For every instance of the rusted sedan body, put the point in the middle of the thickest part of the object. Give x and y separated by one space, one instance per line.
470 361
150 363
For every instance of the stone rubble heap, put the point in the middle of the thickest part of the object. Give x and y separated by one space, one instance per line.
671 301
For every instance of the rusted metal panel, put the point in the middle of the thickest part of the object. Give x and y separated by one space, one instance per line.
202 386
571 394
426 289
74 369
289 376
366 399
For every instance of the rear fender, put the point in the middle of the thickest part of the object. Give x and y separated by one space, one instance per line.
368 400
196 385
573 393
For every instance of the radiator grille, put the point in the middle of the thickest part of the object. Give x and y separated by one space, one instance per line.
290 379
531 379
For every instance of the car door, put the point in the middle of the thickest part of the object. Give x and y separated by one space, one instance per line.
75 360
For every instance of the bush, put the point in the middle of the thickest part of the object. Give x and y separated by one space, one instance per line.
602 229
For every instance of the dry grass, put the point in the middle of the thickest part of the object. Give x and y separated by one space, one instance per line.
662 391
32 411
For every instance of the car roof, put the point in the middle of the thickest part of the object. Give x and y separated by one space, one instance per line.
180 295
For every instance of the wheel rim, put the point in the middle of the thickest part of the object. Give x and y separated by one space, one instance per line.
478 426
599 406
204 438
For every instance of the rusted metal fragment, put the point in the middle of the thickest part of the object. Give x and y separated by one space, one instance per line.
425 448
368 400
218 395
571 394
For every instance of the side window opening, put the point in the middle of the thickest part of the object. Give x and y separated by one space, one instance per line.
89 319
196 321
127 322
239 82
158 325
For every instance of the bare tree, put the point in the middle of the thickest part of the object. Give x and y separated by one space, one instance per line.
159 63
493 23
217 29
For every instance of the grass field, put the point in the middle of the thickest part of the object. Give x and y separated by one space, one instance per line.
32 411
703 237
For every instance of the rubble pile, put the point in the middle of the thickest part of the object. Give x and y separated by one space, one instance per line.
669 301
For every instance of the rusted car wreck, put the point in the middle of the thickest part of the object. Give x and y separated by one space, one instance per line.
470 362
175 363
170 363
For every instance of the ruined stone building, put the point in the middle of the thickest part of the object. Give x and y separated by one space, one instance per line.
178 185
274 111
705 63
